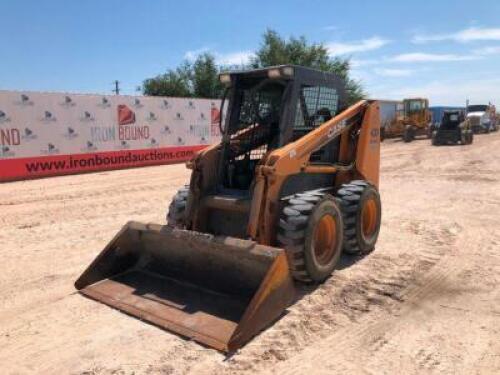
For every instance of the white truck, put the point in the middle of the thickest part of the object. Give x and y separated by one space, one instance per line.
482 118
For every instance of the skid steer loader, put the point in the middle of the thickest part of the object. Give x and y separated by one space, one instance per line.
454 128
292 183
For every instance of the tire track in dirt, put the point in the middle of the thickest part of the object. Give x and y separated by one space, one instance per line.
370 347
378 286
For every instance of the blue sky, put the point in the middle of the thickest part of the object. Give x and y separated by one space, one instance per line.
445 50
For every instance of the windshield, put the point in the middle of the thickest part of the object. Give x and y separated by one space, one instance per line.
258 105
253 129
414 105
477 108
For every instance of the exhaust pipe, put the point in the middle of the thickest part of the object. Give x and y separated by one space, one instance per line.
219 291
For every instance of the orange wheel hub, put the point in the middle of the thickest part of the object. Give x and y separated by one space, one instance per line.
325 237
369 218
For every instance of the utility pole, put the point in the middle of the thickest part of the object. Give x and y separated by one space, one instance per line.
116 90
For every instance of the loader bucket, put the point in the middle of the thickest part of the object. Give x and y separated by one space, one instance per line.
219 291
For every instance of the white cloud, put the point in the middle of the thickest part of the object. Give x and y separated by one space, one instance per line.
330 28
231 58
191 55
445 92
356 63
234 58
370 44
417 57
463 36
491 50
388 72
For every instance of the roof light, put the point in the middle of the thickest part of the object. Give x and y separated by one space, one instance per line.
273 73
287 71
225 78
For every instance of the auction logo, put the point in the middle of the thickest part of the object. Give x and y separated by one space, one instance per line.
87 117
70 133
48 117
165 130
125 115
153 143
3 117
104 103
165 104
6 152
126 131
25 100
123 145
28 134
89 146
68 102
137 103
50 150
151 117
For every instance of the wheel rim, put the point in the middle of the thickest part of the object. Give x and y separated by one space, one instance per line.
369 218
325 236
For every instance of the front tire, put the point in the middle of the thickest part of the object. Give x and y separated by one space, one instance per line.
408 134
177 209
311 231
362 212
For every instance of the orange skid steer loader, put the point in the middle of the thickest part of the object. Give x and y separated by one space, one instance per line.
292 184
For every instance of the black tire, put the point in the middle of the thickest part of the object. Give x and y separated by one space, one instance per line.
382 134
434 140
408 134
354 198
311 231
177 208
464 139
430 131
470 137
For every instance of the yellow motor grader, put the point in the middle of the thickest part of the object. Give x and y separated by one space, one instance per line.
413 118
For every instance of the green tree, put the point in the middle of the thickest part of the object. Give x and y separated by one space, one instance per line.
175 82
200 78
276 50
205 77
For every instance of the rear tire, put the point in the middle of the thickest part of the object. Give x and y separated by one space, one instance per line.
470 137
362 212
434 140
408 134
177 209
311 231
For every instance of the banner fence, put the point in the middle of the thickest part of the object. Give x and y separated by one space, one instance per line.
48 134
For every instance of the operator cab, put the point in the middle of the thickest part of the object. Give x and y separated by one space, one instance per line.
451 120
267 109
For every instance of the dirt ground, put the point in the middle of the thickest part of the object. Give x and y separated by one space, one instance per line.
426 301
